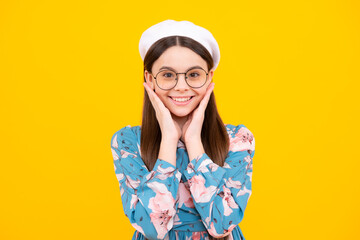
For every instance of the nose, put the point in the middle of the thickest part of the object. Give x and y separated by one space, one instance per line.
181 83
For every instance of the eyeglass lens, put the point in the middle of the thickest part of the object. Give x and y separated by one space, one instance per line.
167 79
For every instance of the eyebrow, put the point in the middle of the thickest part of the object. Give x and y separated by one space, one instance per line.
170 68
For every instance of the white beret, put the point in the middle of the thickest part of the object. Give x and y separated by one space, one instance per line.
179 28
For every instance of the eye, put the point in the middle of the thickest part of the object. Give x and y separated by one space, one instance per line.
168 74
194 74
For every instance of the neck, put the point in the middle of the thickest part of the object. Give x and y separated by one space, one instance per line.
180 121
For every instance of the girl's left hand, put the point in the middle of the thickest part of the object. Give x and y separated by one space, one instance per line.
192 127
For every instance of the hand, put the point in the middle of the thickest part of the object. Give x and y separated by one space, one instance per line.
170 129
193 125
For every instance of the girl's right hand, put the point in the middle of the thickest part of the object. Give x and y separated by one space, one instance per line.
170 129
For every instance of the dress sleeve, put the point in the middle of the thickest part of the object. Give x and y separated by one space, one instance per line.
148 197
221 194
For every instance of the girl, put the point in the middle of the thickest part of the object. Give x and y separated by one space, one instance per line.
183 174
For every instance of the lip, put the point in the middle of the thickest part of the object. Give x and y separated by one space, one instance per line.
181 96
182 103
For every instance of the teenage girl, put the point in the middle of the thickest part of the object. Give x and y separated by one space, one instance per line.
183 174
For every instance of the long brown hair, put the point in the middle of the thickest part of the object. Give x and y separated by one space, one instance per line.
214 136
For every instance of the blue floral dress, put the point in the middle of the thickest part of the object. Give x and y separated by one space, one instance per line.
187 201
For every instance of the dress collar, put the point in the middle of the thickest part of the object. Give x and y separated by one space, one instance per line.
180 144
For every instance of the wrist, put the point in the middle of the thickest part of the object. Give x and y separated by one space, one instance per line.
169 140
167 151
194 149
193 141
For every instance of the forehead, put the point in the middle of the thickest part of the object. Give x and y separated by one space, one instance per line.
179 58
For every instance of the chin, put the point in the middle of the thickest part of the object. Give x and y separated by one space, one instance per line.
181 113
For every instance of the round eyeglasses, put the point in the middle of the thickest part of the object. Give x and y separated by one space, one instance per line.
167 79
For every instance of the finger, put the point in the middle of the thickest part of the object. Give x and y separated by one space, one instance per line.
206 98
189 117
155 100
150 94
153 94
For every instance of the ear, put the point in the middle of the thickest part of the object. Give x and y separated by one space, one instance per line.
211 74
149 79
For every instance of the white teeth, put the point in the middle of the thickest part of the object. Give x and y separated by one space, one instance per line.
181 99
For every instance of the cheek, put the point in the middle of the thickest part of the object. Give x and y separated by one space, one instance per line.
161 95
163 98
201 95
199 98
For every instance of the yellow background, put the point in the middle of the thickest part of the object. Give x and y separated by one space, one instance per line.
71 76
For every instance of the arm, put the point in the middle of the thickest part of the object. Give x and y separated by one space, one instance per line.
148 197
221 194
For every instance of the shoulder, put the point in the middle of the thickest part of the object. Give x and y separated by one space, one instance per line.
127 133
241 138
236 129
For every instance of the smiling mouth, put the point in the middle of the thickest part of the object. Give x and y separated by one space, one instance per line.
182 99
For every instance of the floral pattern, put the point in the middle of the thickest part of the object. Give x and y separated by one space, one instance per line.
192 200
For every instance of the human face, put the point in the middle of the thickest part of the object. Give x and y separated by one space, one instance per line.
180 59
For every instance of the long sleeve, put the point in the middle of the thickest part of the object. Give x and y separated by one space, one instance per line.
148 197
221 194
